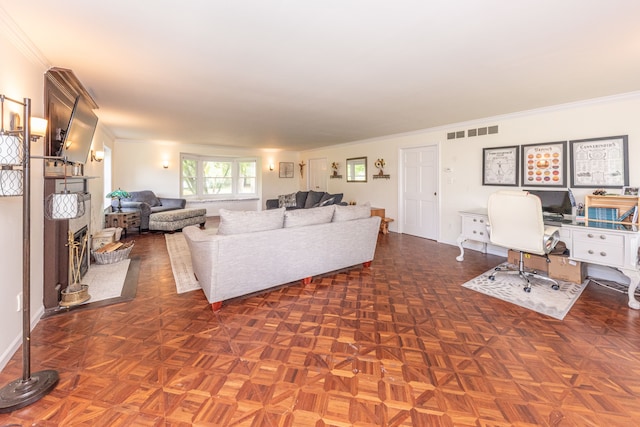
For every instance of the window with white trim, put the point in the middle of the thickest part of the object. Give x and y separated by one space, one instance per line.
206 177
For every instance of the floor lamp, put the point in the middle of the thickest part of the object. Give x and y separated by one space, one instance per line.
15 177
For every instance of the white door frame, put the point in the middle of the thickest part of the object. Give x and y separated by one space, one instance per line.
401 150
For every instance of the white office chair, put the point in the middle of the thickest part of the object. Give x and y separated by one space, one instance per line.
515 222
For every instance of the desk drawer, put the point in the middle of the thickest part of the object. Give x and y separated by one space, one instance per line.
475 228
598 253
599 237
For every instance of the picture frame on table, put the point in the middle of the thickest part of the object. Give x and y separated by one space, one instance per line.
629 191
600 162
500 166
544 165
285 170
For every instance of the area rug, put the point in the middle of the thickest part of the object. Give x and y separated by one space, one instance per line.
106 280
181 263
108 284
541 299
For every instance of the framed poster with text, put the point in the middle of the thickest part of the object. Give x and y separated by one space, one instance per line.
500 166
544 165
600 162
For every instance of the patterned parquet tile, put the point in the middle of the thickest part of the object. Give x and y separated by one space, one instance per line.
398 344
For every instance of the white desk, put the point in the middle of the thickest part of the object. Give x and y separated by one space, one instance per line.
602 246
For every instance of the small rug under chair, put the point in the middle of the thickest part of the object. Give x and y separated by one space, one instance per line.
181 263
542 298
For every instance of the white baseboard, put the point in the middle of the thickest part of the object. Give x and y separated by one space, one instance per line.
6 355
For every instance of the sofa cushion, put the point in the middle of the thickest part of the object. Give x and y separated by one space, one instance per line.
238 222
330 199
348 213
287 200
313 199
301 199
302 217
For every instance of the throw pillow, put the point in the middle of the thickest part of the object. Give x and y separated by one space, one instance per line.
326 202
301 198
335 199
313 199
301 217
287 200
238 222
349 213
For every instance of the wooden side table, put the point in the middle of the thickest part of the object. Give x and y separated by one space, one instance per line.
123 219
384 223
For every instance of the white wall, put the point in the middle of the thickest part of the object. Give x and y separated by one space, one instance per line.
462 188
95 170
138 166
19 78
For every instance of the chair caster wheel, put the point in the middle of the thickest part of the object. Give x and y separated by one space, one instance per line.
527 289
492 277
497 269
555 287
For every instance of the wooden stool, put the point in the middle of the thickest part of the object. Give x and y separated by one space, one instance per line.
384 225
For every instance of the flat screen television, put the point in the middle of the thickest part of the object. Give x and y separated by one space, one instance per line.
77 139
554 201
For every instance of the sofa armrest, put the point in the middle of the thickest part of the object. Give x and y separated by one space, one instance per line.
173 203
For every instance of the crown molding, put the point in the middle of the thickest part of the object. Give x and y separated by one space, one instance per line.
10 29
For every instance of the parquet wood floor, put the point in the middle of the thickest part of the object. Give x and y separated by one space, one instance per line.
399 344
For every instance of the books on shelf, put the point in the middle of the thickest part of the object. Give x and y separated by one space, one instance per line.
602 214
632 214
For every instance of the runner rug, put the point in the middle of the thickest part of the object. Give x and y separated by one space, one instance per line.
181 263
541 299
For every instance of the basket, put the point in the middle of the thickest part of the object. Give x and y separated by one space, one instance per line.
112 257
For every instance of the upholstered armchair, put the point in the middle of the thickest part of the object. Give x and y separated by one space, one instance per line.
147 203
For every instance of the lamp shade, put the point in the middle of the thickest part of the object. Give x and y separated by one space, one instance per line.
118 194
11 150
64 205
10 182
38 126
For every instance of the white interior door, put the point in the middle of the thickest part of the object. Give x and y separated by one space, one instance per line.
318 174
419 192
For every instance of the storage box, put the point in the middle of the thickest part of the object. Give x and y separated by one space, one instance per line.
563 268
532 262
101 238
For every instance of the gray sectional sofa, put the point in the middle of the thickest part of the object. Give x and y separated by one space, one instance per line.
305 200
254 251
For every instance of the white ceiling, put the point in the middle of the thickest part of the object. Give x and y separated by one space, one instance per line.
297 74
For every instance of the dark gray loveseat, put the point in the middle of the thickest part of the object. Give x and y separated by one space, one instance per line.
147 203
305 200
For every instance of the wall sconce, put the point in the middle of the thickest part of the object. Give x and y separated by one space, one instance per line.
165 164
271 167
38 128
97 156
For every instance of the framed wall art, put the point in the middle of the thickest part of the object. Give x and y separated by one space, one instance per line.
285 170
600 162
500 166
544 165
